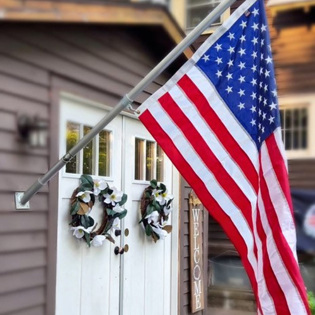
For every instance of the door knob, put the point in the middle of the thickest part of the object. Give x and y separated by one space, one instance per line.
119 250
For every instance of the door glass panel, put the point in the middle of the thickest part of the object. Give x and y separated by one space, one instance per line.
139 154
88 155
149 156
149 160
72 137
104 153
159 163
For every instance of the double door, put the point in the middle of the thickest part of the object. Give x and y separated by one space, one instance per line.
142 280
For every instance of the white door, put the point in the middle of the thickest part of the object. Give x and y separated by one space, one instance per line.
143 280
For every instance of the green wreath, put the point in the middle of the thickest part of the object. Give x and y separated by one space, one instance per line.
155 210
82 202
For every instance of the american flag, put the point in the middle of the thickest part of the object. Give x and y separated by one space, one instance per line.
218 121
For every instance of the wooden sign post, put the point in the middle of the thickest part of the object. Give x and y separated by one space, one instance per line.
196 256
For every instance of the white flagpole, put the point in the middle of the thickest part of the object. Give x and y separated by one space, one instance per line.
128 98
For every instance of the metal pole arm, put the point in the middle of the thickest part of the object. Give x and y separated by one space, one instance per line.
128 98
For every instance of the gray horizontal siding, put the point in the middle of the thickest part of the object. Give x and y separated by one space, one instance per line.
94 62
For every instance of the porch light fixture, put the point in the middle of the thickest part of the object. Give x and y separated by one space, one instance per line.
33 131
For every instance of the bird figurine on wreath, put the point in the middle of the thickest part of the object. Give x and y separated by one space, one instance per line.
155 210
82 202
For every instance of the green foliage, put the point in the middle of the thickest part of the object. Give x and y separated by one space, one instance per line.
123 200
75 207
86 183
311 301
86 221
153 183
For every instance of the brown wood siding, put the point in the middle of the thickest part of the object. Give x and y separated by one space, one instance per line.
302 173
37 62
293 43
185 304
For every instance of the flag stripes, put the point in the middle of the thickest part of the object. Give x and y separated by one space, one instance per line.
184 130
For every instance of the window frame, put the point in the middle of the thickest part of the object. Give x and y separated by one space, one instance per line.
144 159
225 15
298 102
95 152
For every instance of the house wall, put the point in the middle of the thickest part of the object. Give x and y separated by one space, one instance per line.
37 61
293 43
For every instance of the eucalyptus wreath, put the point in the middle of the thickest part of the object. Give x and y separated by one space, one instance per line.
82 201
155 210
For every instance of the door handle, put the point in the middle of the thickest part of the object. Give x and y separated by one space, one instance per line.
119 250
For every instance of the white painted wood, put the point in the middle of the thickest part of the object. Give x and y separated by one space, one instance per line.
143 281
87 278
146 287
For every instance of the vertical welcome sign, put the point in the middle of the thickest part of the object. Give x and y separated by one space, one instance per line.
196 256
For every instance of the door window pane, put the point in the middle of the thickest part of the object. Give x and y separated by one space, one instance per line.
72 138
88 155
159 163
95 158
139 159
104 153
150 148
148 160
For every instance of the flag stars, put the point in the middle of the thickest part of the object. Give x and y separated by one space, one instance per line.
231 36
274 92
263 28
254 68
231 50
255 26
243 24
242 52
219 74
218 60
206 58
267 73
254 54
253 109
255 40
273 106
229 76
266 87
243 38
241 79
265 101
218 47
229 89
253 82
241 65
230 63
264 116
268 60
262 42
241 106
271 119
253 122
241 92
255 12
254 95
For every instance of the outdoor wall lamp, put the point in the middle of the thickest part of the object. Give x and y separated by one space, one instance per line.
33 130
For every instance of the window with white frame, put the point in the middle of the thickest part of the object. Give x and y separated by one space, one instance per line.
197 10
94 159
294 122
297 114
149 160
